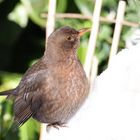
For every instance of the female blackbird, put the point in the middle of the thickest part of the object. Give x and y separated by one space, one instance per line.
54 88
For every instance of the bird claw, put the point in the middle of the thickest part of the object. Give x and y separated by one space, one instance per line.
55 125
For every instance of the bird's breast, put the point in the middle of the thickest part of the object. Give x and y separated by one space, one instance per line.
69 91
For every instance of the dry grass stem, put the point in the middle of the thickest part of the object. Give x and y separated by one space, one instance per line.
50 24
118 28
93 36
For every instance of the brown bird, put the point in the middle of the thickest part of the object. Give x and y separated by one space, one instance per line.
54 88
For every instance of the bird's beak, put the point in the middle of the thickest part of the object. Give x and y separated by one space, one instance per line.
83 31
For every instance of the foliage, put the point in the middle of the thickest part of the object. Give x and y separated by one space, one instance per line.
22 39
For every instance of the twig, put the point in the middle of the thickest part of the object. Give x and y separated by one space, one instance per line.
80 16
93 36
118 28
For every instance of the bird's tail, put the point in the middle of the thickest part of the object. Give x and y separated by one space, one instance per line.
7 93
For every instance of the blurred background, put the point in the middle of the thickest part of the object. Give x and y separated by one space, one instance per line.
22 43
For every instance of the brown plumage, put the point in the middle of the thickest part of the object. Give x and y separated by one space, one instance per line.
54 88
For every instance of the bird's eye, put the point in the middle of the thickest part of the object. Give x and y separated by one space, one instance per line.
69 38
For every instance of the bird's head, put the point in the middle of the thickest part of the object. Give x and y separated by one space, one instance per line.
67 37
65 40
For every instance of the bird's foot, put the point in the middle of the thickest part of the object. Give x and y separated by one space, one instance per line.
56 125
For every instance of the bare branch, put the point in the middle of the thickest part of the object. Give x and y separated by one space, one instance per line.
80 16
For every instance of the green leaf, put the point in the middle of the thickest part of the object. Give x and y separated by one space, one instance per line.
9 80
61 6
16 15
29 130
85 6
34 9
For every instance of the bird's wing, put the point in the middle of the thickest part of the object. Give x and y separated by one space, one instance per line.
22 111
28 89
